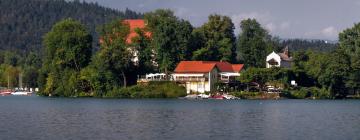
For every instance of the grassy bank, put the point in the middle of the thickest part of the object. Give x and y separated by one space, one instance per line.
298 93
255 95
150 90
307 93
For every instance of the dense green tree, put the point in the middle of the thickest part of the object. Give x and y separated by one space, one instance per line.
349 41
253 43
144 50
217 40
115 54
30 70
304 45
171 38
266 75
11 58
315 64
302 69
24 22
68 50
258 75
276 44
336 73
108 68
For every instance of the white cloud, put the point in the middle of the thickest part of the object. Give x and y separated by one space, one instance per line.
261 17
328 32
271 27
285 25
265 19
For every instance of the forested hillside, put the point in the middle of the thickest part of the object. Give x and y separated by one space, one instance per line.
303 45
24 22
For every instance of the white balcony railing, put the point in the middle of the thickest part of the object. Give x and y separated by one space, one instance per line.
191 79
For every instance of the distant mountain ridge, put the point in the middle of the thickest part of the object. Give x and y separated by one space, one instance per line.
24 22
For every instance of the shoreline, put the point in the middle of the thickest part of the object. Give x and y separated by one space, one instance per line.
183 98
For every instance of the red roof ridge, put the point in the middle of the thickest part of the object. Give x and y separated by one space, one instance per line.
206 66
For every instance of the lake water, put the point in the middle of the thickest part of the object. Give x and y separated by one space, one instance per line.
63 118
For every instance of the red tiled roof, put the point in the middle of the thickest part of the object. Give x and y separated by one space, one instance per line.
206 66
135 23
194 67
223 66
237 67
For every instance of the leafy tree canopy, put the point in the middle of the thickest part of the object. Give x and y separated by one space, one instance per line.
68 50
218 40
171 38
253 44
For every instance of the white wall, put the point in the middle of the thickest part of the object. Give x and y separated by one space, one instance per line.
200 87
274 56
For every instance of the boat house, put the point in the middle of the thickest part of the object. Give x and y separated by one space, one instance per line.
202 76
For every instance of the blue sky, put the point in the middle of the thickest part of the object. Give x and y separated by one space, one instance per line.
309 19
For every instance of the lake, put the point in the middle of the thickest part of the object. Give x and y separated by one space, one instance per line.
23 117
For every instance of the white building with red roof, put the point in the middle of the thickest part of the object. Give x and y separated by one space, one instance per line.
202 76
133 25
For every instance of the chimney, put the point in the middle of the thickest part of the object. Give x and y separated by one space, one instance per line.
286 51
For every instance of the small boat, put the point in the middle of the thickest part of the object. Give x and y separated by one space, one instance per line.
219 97
227 96
204 96
192 96
5 92
24 93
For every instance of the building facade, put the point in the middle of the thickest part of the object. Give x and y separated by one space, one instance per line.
202 76
279 59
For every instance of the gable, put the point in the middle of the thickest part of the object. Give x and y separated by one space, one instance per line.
237 67
274 56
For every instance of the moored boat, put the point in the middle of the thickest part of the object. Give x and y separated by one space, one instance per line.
227 96
5 92
204 96
24 93
220 97
192 96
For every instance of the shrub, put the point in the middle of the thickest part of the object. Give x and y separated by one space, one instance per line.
118 92
300 94
319 93
246 94
305 92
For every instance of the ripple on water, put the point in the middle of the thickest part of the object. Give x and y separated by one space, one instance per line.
61 118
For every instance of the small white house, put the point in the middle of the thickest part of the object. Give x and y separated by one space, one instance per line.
279 59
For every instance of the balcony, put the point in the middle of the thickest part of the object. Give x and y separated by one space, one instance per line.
152 77
191 79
